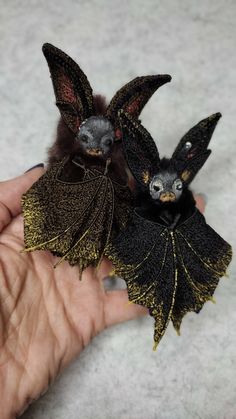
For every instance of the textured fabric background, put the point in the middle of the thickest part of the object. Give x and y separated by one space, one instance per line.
118 375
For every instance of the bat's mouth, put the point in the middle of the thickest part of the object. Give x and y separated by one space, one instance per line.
167 197
95 152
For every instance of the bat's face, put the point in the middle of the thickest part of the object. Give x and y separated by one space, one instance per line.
166 187
96 136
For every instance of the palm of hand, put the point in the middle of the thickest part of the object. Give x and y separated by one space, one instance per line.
47 315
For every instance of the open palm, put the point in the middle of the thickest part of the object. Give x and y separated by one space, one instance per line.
47 316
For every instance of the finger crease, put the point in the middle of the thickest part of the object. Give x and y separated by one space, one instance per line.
5 216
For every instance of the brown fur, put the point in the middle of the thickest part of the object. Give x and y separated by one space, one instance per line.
100 104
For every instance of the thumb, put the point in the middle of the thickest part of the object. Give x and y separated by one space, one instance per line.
200 202
11 192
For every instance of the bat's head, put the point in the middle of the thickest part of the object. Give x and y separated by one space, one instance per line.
166 186
96 136
166 179
89 123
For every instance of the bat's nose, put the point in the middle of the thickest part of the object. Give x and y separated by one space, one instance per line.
94 151
167 197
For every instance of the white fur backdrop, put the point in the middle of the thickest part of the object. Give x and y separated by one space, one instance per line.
119 376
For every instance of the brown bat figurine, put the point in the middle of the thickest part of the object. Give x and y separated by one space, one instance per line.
83 199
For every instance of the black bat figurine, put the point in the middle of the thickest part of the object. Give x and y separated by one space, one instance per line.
83 198
169 257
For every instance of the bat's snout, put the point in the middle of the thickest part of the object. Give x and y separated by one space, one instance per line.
94 152
167 197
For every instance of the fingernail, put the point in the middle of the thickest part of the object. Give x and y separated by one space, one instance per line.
35 167
203 196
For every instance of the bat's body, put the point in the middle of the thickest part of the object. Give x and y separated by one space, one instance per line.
170 258
168 213
83 199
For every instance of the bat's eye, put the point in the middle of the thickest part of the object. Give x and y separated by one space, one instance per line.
156 186
84 138
178 185
108 142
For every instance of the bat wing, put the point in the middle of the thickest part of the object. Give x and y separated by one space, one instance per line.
203 257
123 206
143 256
72 220
170 272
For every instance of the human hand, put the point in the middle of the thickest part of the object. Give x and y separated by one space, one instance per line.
47 316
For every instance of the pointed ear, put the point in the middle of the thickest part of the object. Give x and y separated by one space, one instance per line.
72 89
191 152
133 97
140 149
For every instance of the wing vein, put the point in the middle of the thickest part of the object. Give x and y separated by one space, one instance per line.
199 257
38 246
158 275
84 234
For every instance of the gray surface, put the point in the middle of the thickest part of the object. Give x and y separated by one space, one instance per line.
119 376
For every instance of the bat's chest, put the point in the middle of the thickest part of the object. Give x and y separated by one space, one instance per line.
168 217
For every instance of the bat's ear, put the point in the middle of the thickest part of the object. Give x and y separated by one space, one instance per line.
140 149
72 90
191 152
133 96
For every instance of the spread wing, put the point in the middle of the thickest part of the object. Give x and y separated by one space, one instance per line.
170 272
143 256
72 220
203 257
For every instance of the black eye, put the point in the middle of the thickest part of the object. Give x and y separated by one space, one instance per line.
178 185
108 142
84 138
156 187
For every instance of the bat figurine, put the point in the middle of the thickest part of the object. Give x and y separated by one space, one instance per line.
83 198
169 257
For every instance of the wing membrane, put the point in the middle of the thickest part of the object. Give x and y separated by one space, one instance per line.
72 220
203 257
143 255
